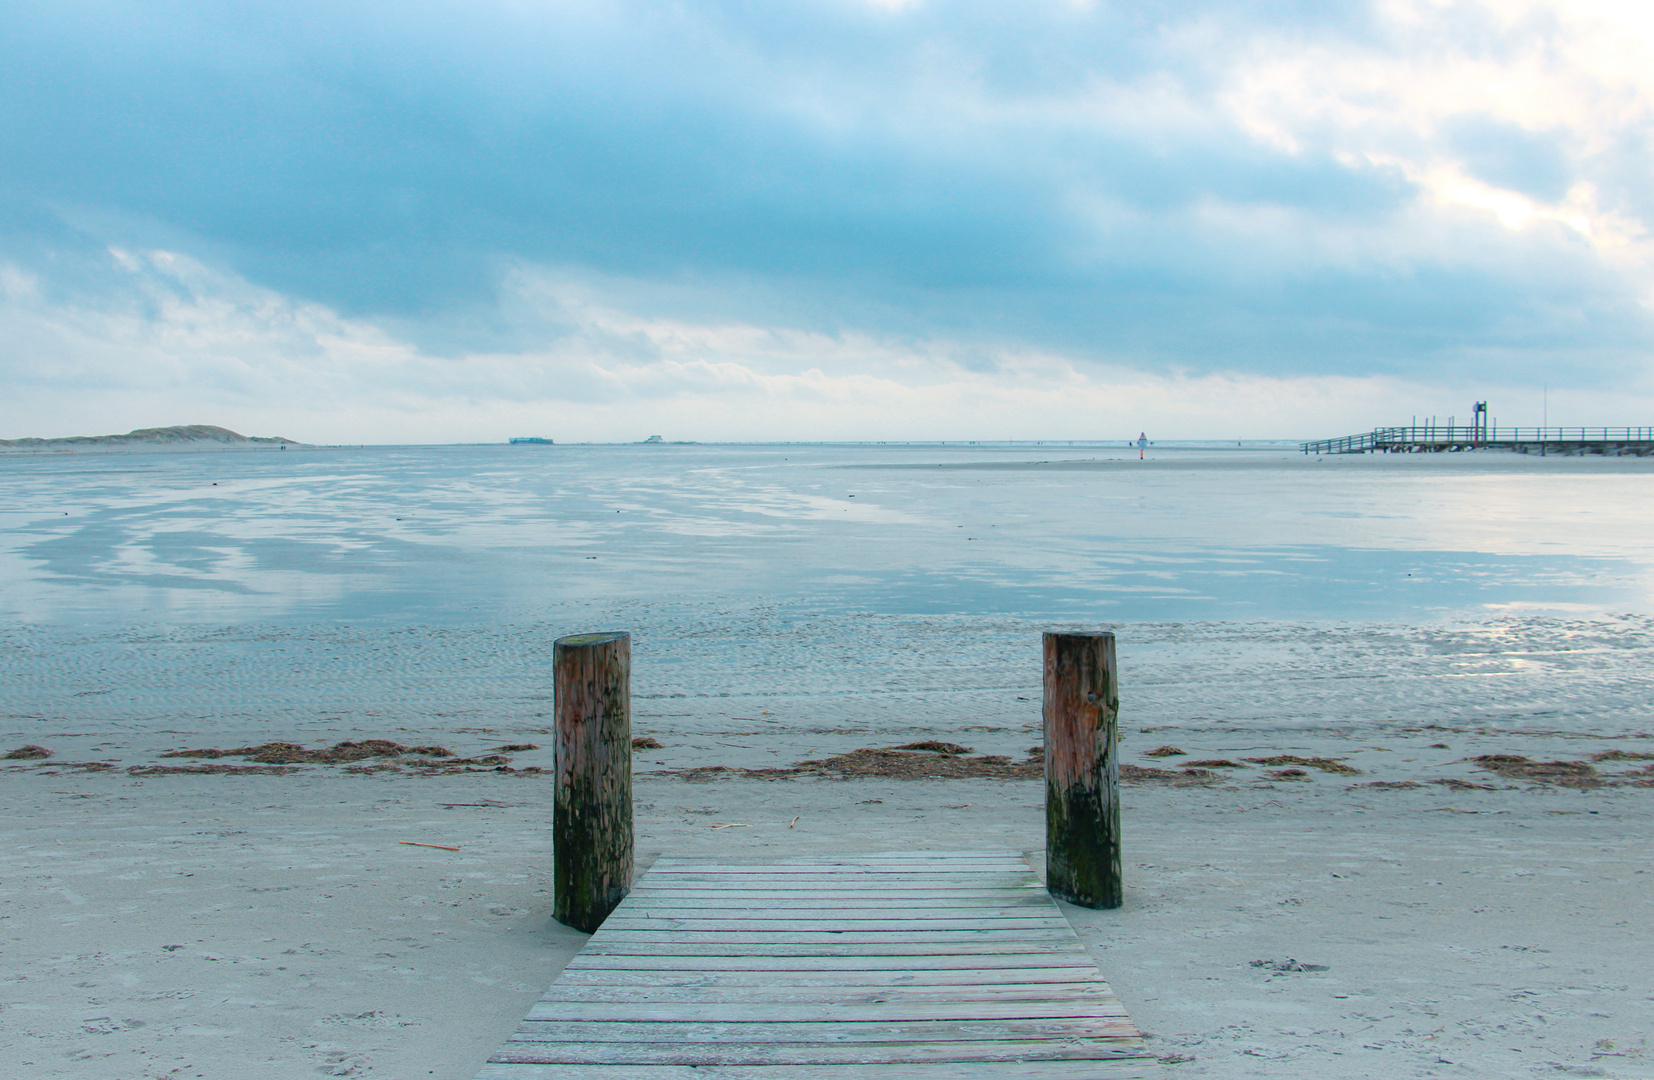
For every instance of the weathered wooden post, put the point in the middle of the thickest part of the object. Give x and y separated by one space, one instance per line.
592 809
1082 774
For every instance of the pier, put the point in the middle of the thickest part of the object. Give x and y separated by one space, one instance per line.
907 965
926 965
1438 438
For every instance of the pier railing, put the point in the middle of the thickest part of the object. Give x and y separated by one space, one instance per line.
1455 437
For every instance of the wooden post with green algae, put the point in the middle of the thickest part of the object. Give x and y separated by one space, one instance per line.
1082 771
592 808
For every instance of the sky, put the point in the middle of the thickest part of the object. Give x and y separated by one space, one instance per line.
828 219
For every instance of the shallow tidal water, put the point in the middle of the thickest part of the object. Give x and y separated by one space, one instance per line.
792 600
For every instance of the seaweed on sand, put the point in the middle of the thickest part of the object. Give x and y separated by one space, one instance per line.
1574 774
213 769
935 747
1325 764
916 761
901 763
291 753
701 774
425 759
1138 774
286 753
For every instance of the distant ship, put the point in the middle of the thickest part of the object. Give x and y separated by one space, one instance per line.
653 439
532 440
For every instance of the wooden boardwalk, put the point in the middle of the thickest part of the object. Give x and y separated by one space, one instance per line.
916 966
1432 438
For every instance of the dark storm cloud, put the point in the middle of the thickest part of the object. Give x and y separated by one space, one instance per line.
1053 175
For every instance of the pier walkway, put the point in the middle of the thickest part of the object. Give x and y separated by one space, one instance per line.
903 966
1432 438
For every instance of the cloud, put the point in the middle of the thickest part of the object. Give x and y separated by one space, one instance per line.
420 203
184 341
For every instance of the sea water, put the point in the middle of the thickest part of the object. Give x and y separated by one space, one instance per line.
792 599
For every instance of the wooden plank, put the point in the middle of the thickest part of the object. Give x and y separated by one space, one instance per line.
916 866
953 938
746 912
859 901
655 960
866 856
625 946
743 1012
736 887
819 1032
896 885
847 989
895 879
853 896
801 877
692 909
901 906
1015 863
849 898
803 888
888 968
893 1053
813 924
1129 1069
851 880
891 907
741 865
935 977
847 993
712 900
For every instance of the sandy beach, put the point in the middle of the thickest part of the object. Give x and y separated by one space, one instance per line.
242 925
1389 806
